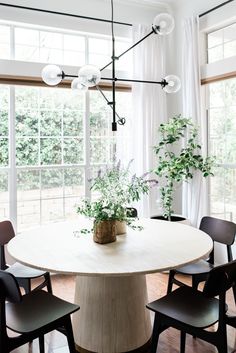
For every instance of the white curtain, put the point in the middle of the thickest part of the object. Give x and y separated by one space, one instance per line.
194 204
149 106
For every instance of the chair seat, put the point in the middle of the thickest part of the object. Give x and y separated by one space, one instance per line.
199 267
22 271
37 309
188 306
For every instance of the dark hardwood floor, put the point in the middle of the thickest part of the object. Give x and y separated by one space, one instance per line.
63 286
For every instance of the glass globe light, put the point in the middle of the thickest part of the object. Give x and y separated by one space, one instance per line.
173 84
163 24
89 75
77 85
52 75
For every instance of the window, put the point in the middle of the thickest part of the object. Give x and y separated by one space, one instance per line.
52 139
219 83
222 132
221 44
34 44
55 150
47 46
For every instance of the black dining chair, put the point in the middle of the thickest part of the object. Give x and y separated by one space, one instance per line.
220 231
31 315
191 311
23 274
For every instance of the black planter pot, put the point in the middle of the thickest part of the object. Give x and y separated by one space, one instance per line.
173 218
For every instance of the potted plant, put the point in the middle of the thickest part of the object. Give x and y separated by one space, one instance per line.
117 189
175 163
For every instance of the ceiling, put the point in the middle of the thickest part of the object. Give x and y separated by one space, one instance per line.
153 2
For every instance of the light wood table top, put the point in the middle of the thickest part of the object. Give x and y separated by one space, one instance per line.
161 245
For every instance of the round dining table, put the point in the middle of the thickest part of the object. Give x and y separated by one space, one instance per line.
110 278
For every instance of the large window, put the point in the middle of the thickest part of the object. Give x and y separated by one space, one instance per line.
222 132
221 44
52 140
56 150
220 93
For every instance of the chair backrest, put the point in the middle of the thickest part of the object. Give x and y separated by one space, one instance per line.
6 232
219 230
132 212
9 288
221 278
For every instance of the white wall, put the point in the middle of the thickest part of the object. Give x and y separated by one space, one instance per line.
123 12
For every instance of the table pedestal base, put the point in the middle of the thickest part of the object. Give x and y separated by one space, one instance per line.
112 316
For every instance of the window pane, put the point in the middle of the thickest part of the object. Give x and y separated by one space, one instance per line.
49 55
48 46
230 33
27 151
74 42
215 54
73 123
28 185
50 123
4 51
28 214
26 97
215 38
222 129
4 195
4 114
4 154
222 43
50 40
74 182
73 58
73 151
4 42
50 151
26 36
230 49
28 195
26 122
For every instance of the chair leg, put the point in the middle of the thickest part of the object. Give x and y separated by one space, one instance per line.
41 344
195 282
222 344
182 341
170 281
70 335
49 284
234 292
155 334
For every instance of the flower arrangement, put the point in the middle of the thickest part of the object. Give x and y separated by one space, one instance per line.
117 190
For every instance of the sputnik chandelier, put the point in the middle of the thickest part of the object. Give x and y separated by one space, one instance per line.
90 75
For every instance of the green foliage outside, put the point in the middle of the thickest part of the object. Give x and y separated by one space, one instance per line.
176 167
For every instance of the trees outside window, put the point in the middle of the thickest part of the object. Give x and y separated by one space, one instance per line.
55 150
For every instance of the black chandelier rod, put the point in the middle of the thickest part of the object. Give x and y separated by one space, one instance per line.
126 51
215 8
64 14
115 79
120 120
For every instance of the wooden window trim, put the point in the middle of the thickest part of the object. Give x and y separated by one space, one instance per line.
217 78
36 81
